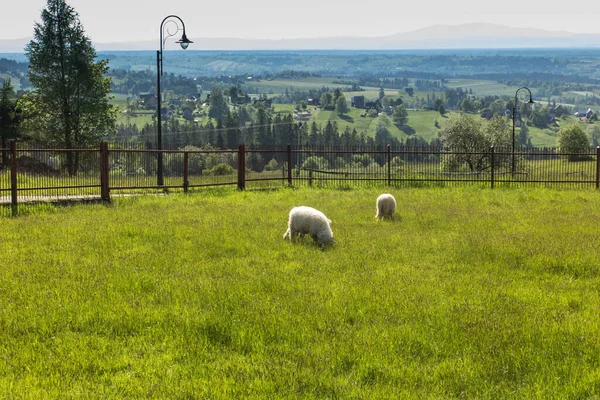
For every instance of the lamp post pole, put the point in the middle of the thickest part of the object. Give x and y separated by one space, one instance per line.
299 146
159 171
184 42
514 115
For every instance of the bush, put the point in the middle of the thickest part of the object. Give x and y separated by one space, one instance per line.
221 169
397 162
340 162
272 165
362 159
315 162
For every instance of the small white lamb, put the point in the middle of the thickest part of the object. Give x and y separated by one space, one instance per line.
386 206
306 220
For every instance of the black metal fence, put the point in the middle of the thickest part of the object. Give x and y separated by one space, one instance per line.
37 176
427 166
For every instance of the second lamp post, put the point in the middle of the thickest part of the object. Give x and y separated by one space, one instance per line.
514 115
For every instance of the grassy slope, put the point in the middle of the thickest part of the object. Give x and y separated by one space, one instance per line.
469 293
16 84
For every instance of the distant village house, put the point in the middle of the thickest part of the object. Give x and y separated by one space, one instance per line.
357 101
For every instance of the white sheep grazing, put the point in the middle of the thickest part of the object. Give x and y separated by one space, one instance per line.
386 206
306 220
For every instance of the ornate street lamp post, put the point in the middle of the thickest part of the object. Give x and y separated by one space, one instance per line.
514 115
184 42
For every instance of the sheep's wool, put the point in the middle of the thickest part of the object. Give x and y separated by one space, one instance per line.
386 206
309 221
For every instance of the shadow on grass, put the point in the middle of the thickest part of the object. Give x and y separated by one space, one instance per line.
307 241
45 206
409 130
347 118
391 219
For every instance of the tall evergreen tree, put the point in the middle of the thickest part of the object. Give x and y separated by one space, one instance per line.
9 117
328 134
70 103
218 105
314 134
211 137
262 120
221 138
232 125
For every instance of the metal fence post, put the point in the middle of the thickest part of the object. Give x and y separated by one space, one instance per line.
186 182
148 159
241 167
289 163
493 165
389 164
13 178
104 175
310 177
598 167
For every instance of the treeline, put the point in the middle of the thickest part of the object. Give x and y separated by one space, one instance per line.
292 96
9 66
391 83
287 74
139 82
536 79
208 83
268 132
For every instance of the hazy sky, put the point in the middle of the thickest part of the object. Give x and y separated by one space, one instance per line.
124 20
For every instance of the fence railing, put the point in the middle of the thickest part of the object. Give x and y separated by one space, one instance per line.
35 175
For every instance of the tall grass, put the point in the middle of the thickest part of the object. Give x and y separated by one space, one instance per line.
467 293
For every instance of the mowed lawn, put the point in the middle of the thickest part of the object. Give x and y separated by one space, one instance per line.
470 293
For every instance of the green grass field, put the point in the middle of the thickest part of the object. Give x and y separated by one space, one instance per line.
467 293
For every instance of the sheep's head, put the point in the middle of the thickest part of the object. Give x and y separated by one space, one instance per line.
325 239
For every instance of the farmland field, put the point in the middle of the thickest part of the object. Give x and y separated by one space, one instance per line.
483 87
467 293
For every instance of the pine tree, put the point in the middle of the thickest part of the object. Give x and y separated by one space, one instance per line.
9 117
218 105
70 104
221 139
232 126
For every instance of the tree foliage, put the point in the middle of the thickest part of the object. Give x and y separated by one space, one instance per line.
70 103
593 131
341 105
400 115
467 140
573 141
9 117
326 101
218 106
539 117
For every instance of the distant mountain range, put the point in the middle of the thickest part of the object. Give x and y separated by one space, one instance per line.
465 36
